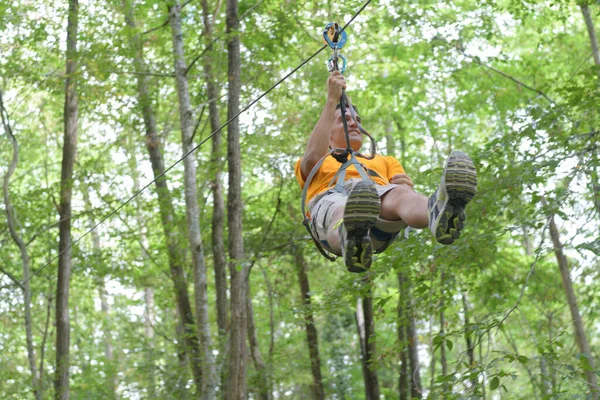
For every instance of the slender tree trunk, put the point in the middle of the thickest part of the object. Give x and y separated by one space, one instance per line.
112 376
366 333
113 381
551 340
236 388
218 217
192 208
148 291
589 23
468 340
61 381
403 382
190 340
219 256
432 351
416 390
309 326
44 339
149 334
442 334
264 390
13 224
580 335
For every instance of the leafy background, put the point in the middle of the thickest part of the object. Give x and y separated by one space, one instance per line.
511 83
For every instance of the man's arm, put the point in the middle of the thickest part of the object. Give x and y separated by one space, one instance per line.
318 142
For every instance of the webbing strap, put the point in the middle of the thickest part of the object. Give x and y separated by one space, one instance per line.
340 176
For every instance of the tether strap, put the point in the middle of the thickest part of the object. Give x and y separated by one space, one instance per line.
339 179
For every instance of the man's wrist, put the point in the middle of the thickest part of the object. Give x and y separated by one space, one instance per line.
331 103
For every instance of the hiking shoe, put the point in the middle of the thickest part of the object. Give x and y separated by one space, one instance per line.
360 214
447 205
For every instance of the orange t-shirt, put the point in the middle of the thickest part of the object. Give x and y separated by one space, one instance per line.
385 166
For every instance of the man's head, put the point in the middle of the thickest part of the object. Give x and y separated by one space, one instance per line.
338 137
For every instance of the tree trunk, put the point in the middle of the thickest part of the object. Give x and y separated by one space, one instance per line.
366 333
589 23
218 245
185 314
45 338
469 342
13 223
236 388
113 381
402 325
61 381
149 333
148 291
192 208
413 352
432 351
264 390
443 345
580 335
112 376
309 325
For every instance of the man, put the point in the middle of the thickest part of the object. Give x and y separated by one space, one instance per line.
368 215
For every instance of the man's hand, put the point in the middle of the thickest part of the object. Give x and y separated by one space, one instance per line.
401 179
335 83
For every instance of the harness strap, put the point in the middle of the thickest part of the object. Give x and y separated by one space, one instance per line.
339 179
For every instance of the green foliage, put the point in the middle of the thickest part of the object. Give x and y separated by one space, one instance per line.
510 82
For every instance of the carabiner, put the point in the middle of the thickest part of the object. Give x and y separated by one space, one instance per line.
334 66
331 31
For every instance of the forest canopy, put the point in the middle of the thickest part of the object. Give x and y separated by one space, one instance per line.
151 241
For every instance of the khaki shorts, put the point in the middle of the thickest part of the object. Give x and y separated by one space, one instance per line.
323 205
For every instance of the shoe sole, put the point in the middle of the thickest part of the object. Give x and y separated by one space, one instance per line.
461 186
360 215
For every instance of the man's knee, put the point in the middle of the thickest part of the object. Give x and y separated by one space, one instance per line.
397 193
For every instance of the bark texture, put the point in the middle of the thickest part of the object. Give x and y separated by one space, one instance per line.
403 378
264 389
171 233
366 333
413 351
236 387
61 379
192 209
13 225
580 336
218 217
589 23
309 326
112 376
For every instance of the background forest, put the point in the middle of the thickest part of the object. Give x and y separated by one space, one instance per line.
206 285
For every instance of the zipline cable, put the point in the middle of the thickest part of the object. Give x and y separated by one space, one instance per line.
36 272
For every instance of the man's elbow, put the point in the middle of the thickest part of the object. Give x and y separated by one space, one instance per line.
306 165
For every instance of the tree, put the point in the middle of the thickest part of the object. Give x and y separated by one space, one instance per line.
165 203
209 383
236 384
71 118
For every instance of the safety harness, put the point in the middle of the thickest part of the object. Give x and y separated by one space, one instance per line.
336 38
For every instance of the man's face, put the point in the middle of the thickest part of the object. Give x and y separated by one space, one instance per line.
338 137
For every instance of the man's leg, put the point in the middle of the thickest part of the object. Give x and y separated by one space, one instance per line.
333 232
403 203
348 226
443 212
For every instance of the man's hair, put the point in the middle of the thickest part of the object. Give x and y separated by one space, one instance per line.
353 106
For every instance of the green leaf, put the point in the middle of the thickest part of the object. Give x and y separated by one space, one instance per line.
494 383
523 359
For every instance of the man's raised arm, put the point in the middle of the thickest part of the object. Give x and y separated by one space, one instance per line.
318 143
